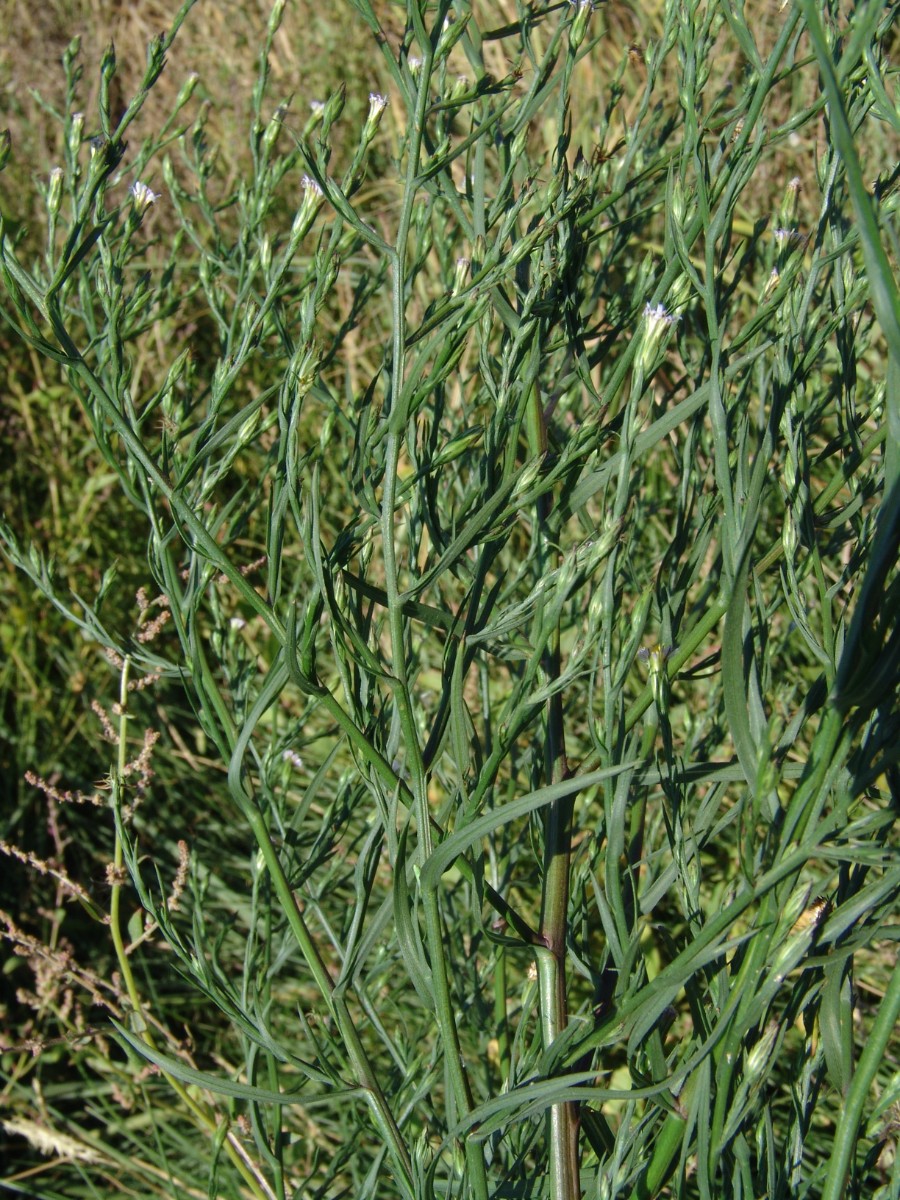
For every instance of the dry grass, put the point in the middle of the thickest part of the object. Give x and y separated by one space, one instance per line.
220 42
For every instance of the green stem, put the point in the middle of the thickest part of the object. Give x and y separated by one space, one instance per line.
872 1057
551 957
444 1014
201 1114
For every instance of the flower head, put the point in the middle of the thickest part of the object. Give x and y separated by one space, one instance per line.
583 10
142 197
659 319
377 105
313 198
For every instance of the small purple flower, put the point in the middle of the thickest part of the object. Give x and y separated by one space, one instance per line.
143 197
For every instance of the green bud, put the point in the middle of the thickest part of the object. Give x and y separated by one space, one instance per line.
177 369
640 613
790 204
338 585
265 254
54 192
771 284
520 143
377 104
761 1054
187 90
450 35
273 129
657 324
75 132
108 62
169 174
334 106
461 274
304 369
458 446
71 52
247 431
578 28
5 145
313 199
678 201
596 609
526 478
275 17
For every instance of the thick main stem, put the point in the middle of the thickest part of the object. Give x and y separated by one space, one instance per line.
564 1172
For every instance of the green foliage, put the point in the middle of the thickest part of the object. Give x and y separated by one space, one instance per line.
500 753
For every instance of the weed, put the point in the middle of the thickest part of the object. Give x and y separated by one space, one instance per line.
500 775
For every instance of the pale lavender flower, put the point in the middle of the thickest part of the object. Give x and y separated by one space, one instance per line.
143 197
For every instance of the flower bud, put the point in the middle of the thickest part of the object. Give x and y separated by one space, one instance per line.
519 144
169 173
458 446
275 17
273 129
177 369
640 613
760 1054
98 151
790 203
377 105
338 583
265 254
596 608
5 144
54 192
526 478
678 202
187 90
313 199
304 369
578 28
108 62
679 295
771 284
450 35
658 323
247 431
461 274
332 109
459 88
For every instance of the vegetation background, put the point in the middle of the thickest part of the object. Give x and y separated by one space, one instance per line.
637 525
